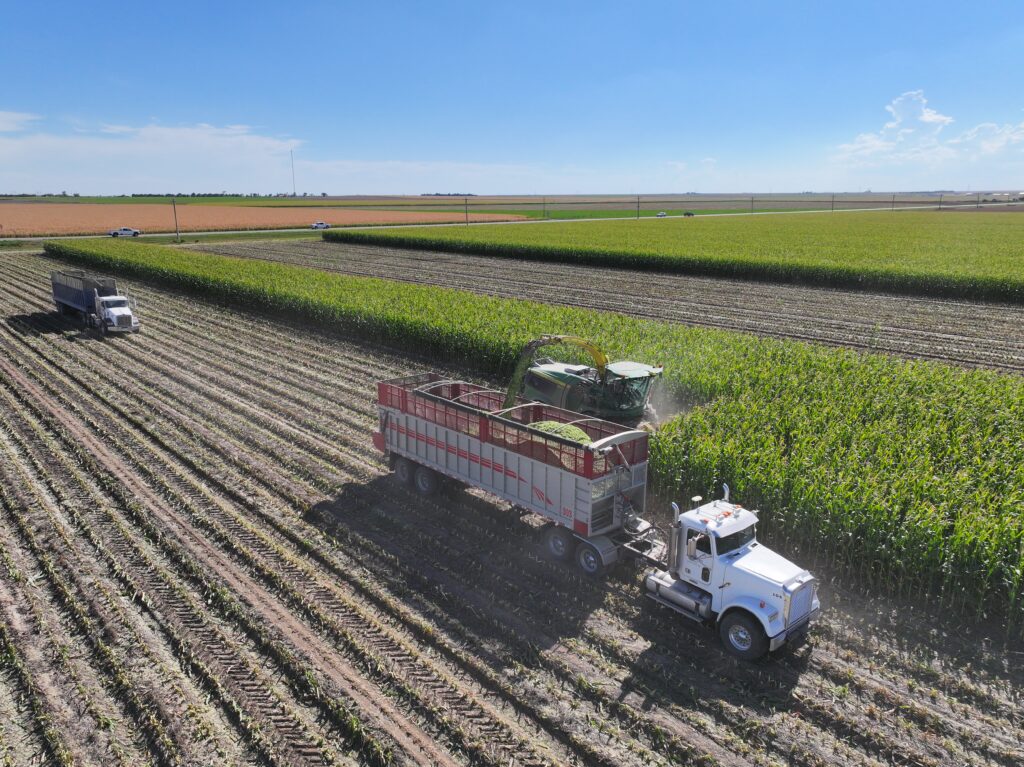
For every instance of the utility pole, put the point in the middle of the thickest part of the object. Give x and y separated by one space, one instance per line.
545 208
291 153
465 202
940 202
638 207
174 207
751 205
833 202
893 206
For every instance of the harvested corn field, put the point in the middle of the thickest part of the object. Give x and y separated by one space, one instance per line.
969 333
205 562
27 219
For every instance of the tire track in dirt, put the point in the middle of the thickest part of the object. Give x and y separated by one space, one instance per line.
492 733
388 719
488 551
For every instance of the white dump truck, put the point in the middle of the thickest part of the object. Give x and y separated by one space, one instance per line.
588 478
95 299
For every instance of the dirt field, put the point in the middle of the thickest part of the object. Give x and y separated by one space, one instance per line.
963 332
205 562
37 219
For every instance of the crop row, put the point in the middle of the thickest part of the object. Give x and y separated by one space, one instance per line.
976 256
287 577
267 438
963 332
905 476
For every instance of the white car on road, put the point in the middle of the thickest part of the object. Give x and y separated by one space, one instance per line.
320 225
124 231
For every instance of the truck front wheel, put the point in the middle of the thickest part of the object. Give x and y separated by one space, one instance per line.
743 636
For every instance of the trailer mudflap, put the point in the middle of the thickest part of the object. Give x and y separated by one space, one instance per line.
378 441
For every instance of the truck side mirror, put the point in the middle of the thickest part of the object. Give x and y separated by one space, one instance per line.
691 548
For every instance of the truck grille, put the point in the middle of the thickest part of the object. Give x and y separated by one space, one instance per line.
124 321
800 602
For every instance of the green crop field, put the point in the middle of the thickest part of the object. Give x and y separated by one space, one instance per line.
905 477
977 255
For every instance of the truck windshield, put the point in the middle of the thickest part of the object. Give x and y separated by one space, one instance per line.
737 540
115 303
633 391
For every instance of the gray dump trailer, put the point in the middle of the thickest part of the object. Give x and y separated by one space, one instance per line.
95 299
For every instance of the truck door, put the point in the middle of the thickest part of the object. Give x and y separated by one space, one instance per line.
698 559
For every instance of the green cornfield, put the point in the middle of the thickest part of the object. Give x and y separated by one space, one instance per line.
906 478
953 253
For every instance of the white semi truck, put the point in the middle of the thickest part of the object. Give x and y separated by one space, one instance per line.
95 299
588 478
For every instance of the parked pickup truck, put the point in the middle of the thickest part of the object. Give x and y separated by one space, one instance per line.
96 299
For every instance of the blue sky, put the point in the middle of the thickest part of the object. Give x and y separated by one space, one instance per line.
543 98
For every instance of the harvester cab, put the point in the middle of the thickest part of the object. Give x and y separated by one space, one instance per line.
616 391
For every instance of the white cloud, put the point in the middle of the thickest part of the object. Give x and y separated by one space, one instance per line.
914 141
989 138
11 122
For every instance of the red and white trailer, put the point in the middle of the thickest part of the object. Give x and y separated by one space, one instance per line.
593 493
708 566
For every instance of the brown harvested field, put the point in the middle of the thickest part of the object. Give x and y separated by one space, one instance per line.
204 561
28 219
962 332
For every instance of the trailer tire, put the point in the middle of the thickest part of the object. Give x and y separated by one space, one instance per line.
743 636
404 470
558 543
426 481
588 559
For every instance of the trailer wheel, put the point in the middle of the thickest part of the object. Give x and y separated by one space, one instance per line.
743 636
426 481
404 470
558 543
589 560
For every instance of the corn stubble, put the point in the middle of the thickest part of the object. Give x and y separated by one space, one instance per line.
905 477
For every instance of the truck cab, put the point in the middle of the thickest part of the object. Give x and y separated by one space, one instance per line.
718 572
114 315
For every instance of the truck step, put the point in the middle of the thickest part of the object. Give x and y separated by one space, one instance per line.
681 610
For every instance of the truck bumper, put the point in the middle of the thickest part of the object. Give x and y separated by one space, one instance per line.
794 633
